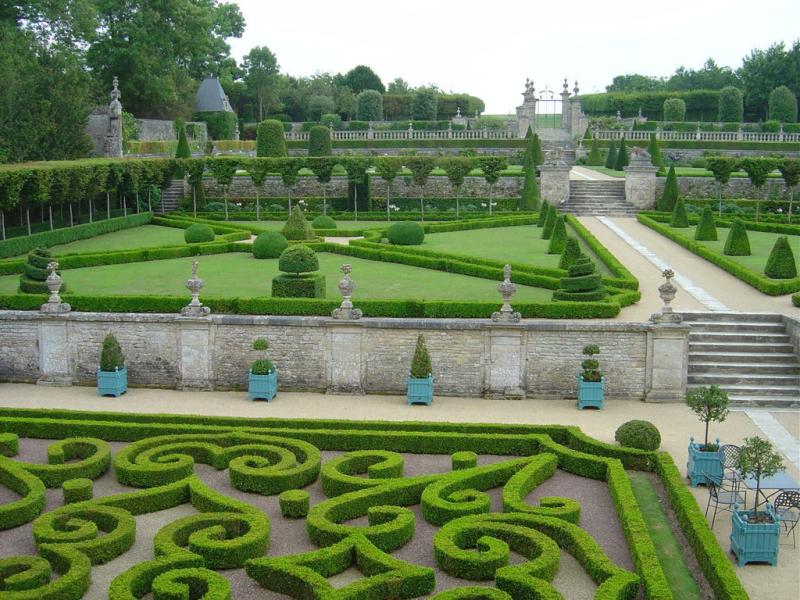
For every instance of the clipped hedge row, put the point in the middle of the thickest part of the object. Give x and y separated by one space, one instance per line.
21 245
796 299
29 577
18 480
707 145
72 458
726 221
524 481
772 287
356 144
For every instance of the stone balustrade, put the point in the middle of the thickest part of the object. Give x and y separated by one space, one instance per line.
697 136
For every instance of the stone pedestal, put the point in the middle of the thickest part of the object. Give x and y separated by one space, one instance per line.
345 369
195 354
640 180
505 373
54 363
555 183
667 363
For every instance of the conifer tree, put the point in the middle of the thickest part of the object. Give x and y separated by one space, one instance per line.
543 212
550 223
611 157
670 196
654 150
530 189
622 156
781 263
183 150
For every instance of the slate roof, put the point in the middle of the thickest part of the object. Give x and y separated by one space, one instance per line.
211 97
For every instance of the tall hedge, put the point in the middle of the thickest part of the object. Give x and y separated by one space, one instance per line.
270 141
781 263
670 195
674 109
731 105
319 141
706 230
679 216
737 243
782 105
369 106
622 159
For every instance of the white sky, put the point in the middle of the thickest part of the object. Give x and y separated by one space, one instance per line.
488 49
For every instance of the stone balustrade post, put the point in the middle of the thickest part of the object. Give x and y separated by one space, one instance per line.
640 180
555 183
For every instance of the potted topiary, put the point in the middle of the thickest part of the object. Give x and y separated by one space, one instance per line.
262 379
112 376
591 390
709 404
755 535
420 379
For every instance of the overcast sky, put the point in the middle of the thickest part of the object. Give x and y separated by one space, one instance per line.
489 48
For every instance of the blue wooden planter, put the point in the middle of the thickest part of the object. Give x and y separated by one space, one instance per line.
701 461
262 387
755 542
591 393
112 383
420 391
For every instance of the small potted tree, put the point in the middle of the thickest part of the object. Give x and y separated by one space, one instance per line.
591 390
420 380
112 376
262 379
755 534
709 404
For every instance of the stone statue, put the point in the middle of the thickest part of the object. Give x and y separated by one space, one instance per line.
346 286
506 314
113 143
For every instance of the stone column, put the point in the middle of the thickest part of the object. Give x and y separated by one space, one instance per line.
505 371
54 352
566 109
346 370
555 183
195 358
667 362
640 180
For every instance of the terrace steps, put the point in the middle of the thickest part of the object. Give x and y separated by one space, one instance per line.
171 197
598 198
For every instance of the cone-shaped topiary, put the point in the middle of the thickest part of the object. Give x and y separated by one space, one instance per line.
679 216
582 284
550 223
319 141
572 251
270 140
622 156
536 147
559 238
595 158
654 150
111 357
421 363
781 263
611 157
297 227
706 230
183 150
737 243
530 189
543 211
670 196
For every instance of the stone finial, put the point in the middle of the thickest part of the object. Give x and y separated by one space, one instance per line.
115 93
346 286
667 293
619 116
566 87
506 289
54 305
576 89
195 308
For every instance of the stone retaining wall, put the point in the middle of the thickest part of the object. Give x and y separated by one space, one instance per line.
738 187
475 357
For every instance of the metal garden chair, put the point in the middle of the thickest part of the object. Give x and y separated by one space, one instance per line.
723 499
727 456
787 507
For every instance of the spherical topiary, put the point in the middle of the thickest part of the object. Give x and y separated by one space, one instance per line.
294 503
406 233
737 243
269 244
323 222
706 230
781 263
198 233
298 259
638 434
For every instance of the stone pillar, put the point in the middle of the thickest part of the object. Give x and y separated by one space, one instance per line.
640 180
195 370
54 352
566 109
505 373
554 183
667 362
346 370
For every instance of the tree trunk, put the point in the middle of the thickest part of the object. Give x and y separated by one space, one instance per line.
2 225
289 197
137 202
791 201
422 204
490 200
70 214
50 212
108 205
150 199
28 218
324 200
258 207
194 201
719 197
758 203
225 199
91 215
124 205
355 200
388 200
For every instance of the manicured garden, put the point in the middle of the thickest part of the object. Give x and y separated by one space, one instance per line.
400 508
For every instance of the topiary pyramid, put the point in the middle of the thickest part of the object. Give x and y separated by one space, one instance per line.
550 223
781 263
582 284
297 227
622 156
183 150
111 357
530 189
572 251
559 238
611 157
32 280
595 158
543 213
421 363
654 150
670 196
706 230
737 243
679 216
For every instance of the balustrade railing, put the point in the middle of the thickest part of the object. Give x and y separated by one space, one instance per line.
411 134
698 136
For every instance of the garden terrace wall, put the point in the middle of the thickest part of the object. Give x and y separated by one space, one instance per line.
472 357
704 188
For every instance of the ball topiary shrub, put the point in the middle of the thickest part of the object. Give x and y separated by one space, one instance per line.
294 503
300 261
638 434
261 366
405 233
737 243
323 222
706 230
269 244
198 233
781 263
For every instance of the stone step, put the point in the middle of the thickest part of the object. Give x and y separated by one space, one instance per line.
743 326
724 347
741 337
766 368
789 383
707 317
762 400
783 392
745 358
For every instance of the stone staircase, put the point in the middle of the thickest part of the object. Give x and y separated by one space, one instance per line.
750 356
598 198
171 197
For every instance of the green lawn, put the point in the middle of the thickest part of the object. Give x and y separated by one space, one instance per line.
522 244
239 274
761 244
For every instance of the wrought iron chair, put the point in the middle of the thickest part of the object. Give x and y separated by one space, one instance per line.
723 499
727 456
787 507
